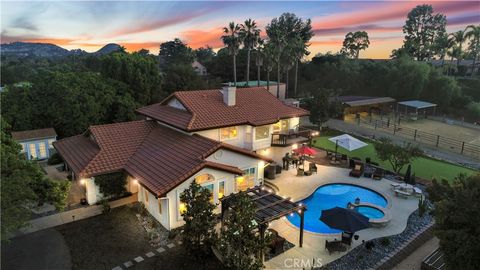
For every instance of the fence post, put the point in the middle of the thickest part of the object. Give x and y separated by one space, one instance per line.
415 135
394 128
438 139
376 124
463 146
358 121
388 122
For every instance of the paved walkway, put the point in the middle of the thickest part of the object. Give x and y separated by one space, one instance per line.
299 188
433 152
71 215
414 261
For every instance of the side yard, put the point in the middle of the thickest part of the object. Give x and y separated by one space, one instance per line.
423 167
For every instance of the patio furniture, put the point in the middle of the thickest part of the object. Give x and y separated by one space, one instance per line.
312 167
333 246
278 169
270 172
347 238
344 219
368 172
344 158
402 193
353 161
357 171
378 174
300 172
277 243
308 173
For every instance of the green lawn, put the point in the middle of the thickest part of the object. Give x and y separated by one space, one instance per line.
423 167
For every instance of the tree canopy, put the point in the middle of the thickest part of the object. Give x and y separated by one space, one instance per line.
355 42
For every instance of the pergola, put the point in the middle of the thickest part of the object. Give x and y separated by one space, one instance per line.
415 105
268 207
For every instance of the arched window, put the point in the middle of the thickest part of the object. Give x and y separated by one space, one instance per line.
204 178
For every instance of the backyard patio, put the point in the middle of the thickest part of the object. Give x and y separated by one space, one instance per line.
301 187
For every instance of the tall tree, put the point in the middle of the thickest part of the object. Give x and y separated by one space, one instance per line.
421 30
354 43
232 41
397 155
473 33
199 230
204 55
175 52
457 215
269 56
259 56
278 39
250 35
458 38
441 46
323 105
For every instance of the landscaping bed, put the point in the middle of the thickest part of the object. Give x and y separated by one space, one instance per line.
361 257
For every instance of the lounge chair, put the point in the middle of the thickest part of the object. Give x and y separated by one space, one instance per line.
333 246
368 172
403 193
357 170
277 243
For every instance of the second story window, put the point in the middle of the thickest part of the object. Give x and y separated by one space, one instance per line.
262 132
228 133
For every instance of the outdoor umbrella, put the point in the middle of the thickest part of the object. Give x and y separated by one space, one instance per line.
344 219
348 142
305 150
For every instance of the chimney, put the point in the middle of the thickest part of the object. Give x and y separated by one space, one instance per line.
229 95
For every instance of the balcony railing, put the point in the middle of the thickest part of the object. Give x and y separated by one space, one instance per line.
291 137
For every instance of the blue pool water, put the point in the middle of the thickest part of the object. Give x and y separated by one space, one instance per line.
329 196
370 212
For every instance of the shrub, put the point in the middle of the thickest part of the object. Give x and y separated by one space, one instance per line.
385 242
54 159
112 185
105 206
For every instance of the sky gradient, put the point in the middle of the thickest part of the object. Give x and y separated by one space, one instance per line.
136 25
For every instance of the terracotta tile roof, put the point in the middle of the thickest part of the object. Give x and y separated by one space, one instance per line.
206 109
77 151
34 134
160 158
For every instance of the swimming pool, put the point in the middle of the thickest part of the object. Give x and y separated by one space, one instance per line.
370 212
332 195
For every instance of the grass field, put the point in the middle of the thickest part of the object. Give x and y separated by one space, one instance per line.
423 167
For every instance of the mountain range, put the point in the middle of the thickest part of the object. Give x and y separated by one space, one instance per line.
49 50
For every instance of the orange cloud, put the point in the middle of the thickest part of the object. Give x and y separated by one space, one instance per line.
200 38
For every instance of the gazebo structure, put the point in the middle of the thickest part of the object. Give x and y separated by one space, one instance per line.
268 207
416 107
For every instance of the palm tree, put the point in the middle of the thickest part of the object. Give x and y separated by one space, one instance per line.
288 61
300 49
278 39
259 59
473 33
458 38
250 34
232 40
269 56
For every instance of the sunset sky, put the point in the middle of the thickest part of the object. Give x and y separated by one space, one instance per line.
136 25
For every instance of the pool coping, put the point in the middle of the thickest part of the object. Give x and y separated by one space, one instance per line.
387 198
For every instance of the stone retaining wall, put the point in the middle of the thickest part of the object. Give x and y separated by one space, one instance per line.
407 248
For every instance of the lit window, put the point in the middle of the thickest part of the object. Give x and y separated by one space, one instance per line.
23 147
204 178
228 133
281 126
221 189
50 143
146 195
182 207
33 150
246 181
42 149
262 132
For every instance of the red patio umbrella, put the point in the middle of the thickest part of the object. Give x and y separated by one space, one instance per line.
305 150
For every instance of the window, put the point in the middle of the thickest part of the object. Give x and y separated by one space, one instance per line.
281 126
182 207
42 149
23 147
50 143
210 188
206 178
221 189
262 132
228 133
33 150
245 181
146 195
160 206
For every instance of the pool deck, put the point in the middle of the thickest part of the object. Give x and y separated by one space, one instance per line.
300 187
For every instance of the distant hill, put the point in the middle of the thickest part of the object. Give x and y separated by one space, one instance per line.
109 48
24 49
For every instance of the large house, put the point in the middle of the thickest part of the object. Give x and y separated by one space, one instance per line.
223 139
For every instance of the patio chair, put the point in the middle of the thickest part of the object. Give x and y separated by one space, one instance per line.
347 238
277 243
312 167
333 246
378 174
300 172
357 171
368 172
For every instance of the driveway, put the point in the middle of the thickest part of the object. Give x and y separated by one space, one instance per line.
45 249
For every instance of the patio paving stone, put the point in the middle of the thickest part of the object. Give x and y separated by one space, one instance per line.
128 264
171 245
160 250
150 254
138 259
